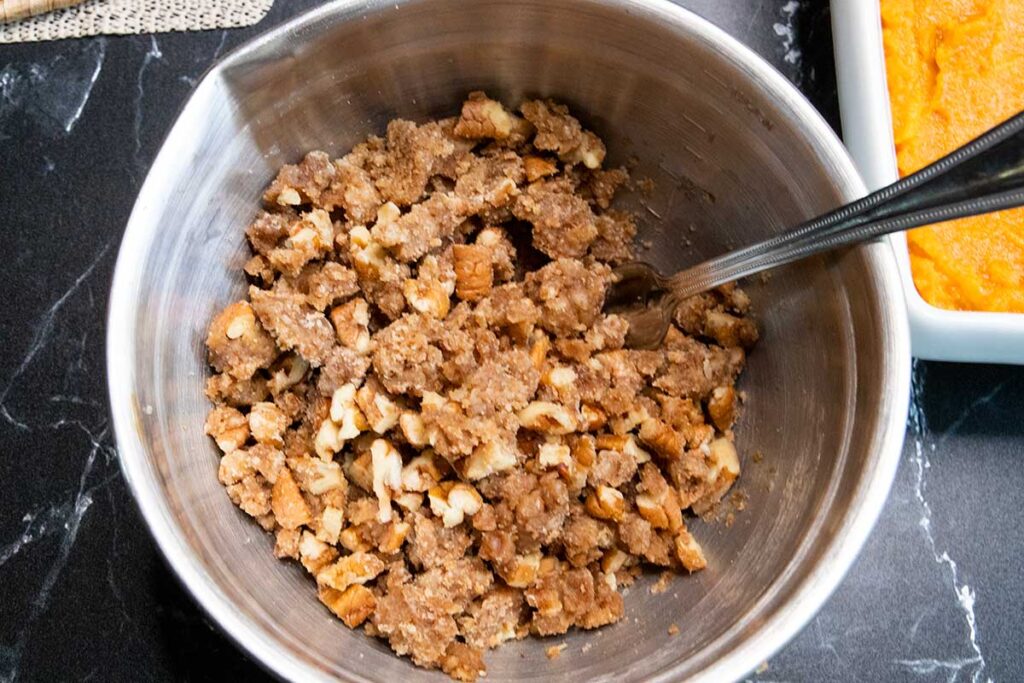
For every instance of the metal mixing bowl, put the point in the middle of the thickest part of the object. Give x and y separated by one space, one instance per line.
736 154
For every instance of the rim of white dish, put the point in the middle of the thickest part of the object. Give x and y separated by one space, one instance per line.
784 623
936 333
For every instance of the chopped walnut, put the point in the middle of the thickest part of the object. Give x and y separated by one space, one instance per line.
302 183
422 473
502 252
724 468
351 322
606 502
424 228
310 237
454 501
538 167
431 290
657 502
548 418
357 568
553 454
344 422
689 551
474 272
228 427
238 344
353 605
523 570
458 473
483 117
665 441
722 407
378 408
490 458
314 554
413 429
387 476
267 423
290 371
287 503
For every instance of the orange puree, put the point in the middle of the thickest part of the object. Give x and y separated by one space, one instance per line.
955 69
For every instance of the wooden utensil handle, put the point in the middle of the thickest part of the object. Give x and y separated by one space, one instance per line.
13 10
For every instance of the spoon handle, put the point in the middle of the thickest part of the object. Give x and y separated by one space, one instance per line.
985 175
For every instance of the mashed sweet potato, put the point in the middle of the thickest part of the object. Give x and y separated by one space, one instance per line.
954 71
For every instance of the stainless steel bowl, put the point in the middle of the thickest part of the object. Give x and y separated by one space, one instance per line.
736 154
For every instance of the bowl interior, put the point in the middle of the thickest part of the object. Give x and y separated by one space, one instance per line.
734 155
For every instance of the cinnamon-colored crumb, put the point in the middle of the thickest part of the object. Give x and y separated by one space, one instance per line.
555 651
661 585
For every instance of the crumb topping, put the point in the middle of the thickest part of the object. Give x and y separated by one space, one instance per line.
451 438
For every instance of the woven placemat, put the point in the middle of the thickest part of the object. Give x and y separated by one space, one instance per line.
95 17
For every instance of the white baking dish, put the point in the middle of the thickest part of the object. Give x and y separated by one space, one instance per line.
936 334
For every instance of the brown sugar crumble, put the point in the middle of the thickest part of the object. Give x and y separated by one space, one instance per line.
555 651
661 585
422 400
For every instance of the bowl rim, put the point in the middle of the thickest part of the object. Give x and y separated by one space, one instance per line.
785 622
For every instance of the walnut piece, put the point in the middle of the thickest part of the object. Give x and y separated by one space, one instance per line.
345 421
351 322
228 427
474 274
547 417
483 117
387 476
454 501
353 606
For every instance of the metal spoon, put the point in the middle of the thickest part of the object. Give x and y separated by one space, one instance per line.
985 175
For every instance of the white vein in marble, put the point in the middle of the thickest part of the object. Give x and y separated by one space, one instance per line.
965 595
220 46
43 331
53 93
786 31
64 518
140 94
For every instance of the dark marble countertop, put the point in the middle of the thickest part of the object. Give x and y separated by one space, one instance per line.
936 595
